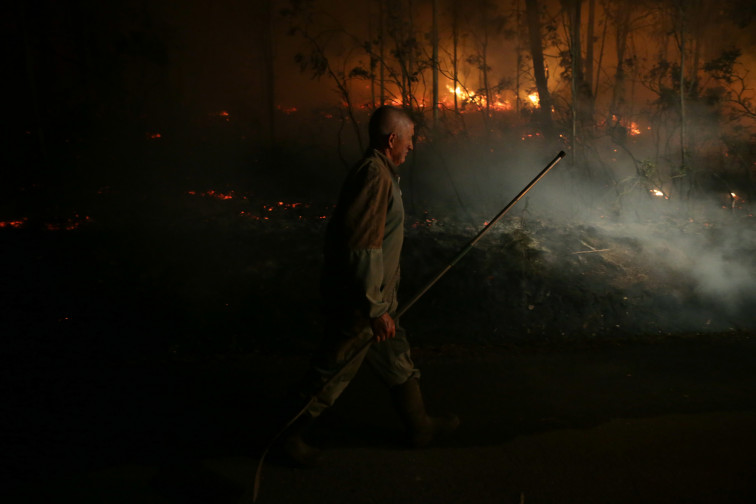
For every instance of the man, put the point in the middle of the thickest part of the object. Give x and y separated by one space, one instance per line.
361 276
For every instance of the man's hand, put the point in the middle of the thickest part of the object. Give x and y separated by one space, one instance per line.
383 327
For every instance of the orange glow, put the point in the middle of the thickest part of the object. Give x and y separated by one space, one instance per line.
479 100
534 99
70 224
154 136
15 224
213 194
223 114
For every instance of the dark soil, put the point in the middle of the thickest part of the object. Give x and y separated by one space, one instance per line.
145 354
672 420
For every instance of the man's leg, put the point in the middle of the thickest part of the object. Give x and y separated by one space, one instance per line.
342 339
393 362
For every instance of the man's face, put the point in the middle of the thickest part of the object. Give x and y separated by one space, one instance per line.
400 143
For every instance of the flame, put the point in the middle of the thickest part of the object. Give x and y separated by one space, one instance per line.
471 97
534 99
632 127
658 193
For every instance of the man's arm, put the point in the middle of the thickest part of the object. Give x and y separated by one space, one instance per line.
364 224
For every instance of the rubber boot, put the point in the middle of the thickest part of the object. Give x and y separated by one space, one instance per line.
421 428
294 447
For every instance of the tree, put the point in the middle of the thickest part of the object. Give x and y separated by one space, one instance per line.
302 18
532 11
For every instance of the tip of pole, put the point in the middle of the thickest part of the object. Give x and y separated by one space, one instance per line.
561 154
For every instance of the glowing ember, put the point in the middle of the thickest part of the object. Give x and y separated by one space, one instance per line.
223 114
530 135
15 224
213 194
154 136
70 224
658 193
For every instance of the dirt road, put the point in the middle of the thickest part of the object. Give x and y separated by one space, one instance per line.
664 421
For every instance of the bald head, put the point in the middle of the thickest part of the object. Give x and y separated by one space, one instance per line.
391 131
385 121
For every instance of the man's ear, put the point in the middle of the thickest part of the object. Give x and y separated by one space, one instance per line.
391 139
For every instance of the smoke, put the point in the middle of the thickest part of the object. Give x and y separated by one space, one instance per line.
681 261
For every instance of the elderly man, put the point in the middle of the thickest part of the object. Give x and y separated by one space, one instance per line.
361 275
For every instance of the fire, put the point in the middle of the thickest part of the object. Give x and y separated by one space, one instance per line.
632 127
534 99
471 97
658 193
15 224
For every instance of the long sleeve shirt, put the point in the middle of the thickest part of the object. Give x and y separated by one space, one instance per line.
364 240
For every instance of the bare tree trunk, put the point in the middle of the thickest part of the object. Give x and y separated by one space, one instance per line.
518 49
435 64
270 75
410 56
455 62
622 21
589 44
381 36
372 57
484 70
539 68
601 57
682 88
576 57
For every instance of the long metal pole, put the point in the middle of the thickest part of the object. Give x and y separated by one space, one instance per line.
401 312
477 238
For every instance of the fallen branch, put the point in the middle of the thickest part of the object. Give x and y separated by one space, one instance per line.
591 251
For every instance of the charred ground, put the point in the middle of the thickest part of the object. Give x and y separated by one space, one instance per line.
163 326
